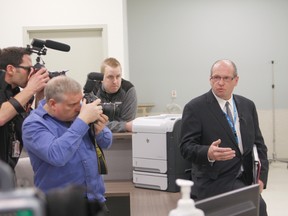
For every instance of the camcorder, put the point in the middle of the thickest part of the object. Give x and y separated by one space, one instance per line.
68 201
40 48
93 80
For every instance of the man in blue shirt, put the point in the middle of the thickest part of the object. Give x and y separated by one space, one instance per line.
57 137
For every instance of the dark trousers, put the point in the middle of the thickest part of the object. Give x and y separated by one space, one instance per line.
97 208
105 209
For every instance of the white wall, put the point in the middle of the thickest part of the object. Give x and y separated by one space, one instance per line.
17 14
277 143
173 43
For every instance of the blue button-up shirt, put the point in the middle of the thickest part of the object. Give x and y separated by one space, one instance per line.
62 154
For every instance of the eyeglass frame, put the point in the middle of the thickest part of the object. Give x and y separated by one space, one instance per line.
29 69
226 79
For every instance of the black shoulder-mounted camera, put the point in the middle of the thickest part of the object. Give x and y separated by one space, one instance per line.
40 48
93 80
108 108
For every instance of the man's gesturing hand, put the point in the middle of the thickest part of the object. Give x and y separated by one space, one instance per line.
218 153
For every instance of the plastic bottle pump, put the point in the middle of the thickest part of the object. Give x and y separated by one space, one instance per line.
185 205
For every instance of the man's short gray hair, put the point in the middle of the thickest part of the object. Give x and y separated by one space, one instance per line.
57 87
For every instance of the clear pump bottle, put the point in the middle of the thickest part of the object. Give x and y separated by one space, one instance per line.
185 205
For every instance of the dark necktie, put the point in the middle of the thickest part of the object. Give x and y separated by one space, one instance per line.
228 112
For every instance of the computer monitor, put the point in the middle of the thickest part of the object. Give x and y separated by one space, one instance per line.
239 202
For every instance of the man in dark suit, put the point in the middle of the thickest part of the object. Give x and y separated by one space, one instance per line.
219 142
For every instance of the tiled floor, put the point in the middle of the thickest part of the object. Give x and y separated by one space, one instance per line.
277 190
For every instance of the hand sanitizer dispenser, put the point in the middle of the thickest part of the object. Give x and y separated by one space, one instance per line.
186 205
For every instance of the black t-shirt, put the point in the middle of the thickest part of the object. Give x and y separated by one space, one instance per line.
7 92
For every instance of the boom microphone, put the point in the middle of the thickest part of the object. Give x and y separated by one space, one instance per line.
38 43
50 44
57 46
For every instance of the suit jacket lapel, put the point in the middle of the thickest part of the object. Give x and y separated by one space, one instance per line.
219 115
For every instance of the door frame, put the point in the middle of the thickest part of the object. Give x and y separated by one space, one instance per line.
27 30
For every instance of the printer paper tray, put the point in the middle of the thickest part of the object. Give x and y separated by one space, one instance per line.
150 180
150 165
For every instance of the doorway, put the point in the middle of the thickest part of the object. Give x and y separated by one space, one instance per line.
88 48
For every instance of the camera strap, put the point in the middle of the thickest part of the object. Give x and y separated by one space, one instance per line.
102 165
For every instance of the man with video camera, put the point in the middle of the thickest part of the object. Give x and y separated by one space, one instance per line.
62 137
16 71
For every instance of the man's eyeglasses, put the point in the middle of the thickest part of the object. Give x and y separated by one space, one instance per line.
29 69
218 78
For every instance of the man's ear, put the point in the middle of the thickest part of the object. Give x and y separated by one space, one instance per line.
237 79
52 104
10 69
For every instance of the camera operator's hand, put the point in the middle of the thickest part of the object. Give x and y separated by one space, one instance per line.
37 80
100 123
128 126
91 112
39 96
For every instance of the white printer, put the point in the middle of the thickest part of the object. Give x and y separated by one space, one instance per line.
157 161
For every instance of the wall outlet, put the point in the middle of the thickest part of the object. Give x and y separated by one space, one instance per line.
173 94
